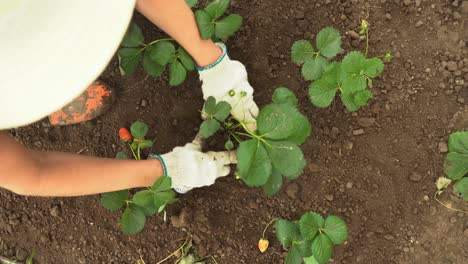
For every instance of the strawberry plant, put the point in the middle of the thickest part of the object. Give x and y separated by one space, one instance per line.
163 53
456 165
272 151
210 25
352 77
143 203
309 240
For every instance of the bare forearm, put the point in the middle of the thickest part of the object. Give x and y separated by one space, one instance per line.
38 173
178 20
63 174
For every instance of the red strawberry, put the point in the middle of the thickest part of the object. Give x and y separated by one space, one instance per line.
124 134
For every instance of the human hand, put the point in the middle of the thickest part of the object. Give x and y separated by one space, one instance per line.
190 168
226 80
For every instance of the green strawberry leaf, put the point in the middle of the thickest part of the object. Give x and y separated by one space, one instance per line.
144 198
348 101
162 52
336 229
205 24
162 184
301 51
354 83
313 68
151 67
114 200
294 255
161 199
302 129
191 3
458 142
128 60
209 127
133 220
362 97
186 60
228 26
305 247
177 73
139 130
210 106
286 157
373 67
310 260
354 62
222 111
322 93
286 232
462 187
456 165
121 155
283 95
273 184
322 248
274 121
329 42
217 8
310 224
146 144
254 165
134 36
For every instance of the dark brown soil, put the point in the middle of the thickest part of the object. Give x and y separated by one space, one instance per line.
380 182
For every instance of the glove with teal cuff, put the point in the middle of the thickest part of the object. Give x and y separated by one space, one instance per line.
190 168
226 80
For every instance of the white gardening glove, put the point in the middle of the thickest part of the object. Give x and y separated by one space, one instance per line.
190 168
226 80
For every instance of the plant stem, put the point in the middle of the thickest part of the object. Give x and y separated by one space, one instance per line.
133 152
266 227
156 41
139 152
173 253
235 137
448 207
367 42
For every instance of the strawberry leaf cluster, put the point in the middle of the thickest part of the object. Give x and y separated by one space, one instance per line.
310 240
352 77
210 24
456 162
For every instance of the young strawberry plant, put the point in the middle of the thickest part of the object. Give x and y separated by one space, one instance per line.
211 26
352 77
456 165
163 53
272 151
309 240
143 203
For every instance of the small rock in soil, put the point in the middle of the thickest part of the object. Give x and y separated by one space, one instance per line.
144 103
389 237
349 185
358 132
292 190
44 239
353 35
183 219
54 211
366 121
453 219
314 168
348 145
329 197
452 66
415 177
443 148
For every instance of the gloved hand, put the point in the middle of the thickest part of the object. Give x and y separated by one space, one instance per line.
190 168
226 80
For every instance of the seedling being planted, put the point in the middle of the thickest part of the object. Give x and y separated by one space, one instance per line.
352 77
163 53
272 151
143 203
310 240
211 26
455 167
